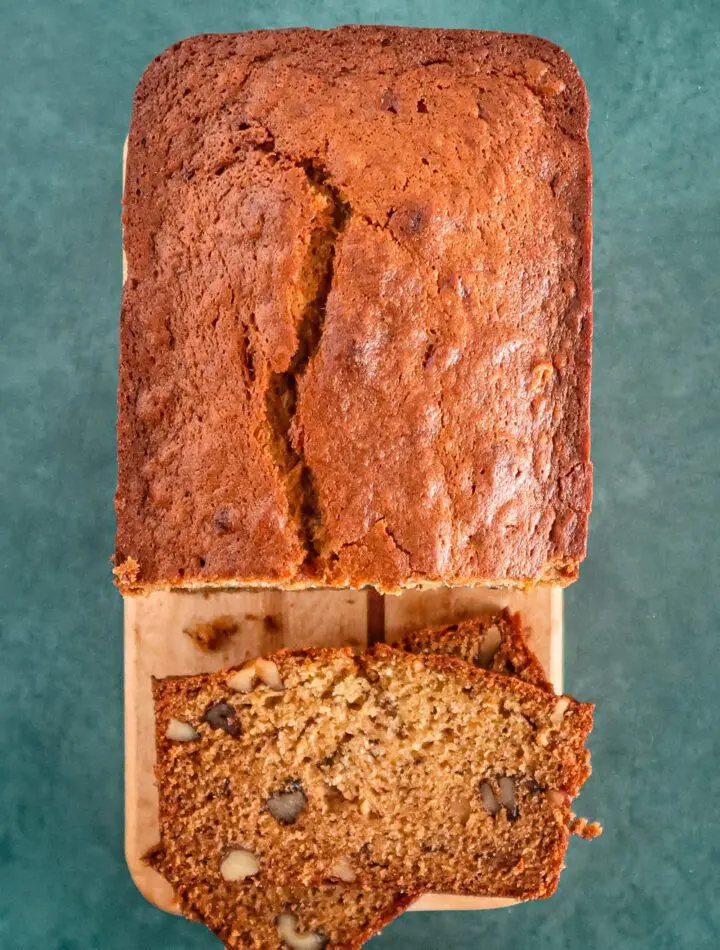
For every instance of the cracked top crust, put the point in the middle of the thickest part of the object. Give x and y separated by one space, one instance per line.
356 324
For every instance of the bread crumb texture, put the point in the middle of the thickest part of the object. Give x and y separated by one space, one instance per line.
356 324
356 783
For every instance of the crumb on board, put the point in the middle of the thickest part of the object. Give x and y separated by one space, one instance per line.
127 572
213 634
585 829
270 624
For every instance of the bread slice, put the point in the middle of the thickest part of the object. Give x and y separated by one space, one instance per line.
343 915
358 747
496 643
250 914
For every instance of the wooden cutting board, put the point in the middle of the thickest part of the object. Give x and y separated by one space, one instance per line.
156 645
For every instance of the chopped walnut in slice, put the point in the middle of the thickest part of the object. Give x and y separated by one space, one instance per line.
287 803
223 716
487 797
343 870
242 681
239 864
269 674
505 797
179 731
489 647
508 796
290 935
561 707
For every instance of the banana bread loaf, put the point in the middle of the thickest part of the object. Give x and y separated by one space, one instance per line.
356 324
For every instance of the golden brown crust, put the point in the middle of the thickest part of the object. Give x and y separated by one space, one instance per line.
355 331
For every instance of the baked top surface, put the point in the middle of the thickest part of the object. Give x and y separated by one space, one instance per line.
355 333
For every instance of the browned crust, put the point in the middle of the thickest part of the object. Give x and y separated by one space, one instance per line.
361 936
137 588
396 548
401 904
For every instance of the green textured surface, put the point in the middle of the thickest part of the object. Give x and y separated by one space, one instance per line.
642 622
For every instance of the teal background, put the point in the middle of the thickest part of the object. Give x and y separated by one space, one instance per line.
642 623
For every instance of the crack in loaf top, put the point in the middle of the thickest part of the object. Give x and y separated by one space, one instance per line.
355 334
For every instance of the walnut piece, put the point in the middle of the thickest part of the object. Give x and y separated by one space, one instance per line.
181 731
268 674
239 864
289 934
243 680
287 803
223 716
489 647
559 711
508 793
487 797
506 799
342 870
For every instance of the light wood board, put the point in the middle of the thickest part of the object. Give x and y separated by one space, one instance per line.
156 645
